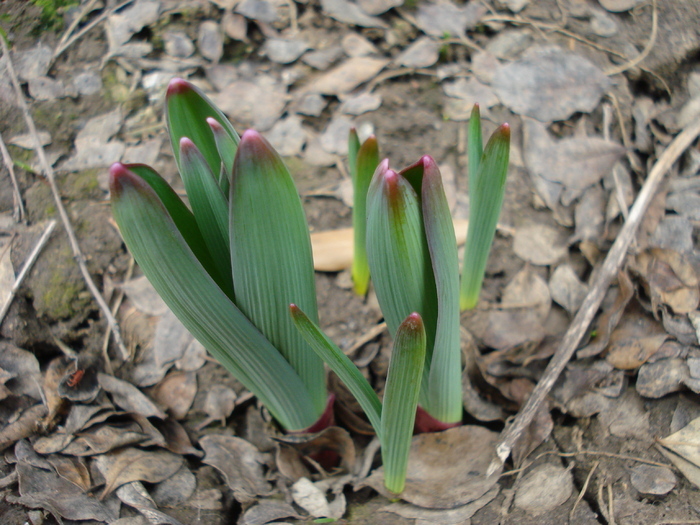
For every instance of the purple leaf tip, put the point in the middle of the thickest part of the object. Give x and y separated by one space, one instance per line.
178 86
117 172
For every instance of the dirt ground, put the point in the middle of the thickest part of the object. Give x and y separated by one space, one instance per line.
596 94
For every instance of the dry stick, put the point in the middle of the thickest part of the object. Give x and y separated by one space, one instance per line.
65 45
18 211
612 263
48 171
583 491
25 269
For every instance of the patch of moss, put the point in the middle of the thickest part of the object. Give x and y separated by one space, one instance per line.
62 298
52 13
81 185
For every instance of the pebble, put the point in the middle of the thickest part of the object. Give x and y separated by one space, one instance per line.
178 44
210 41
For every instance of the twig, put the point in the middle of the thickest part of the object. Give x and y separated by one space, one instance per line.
647 49
611 505
25 269
18 209
612 263
65 45
48 172
115 308
583 491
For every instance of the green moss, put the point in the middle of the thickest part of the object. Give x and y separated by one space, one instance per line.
81 185
63 297
52 13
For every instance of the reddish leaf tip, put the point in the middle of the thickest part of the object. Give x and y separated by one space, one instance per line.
413 322
178 86
117 173
214 124
186 145
250 135
505 130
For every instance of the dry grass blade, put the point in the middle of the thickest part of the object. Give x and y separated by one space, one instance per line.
48 171
18 212
611 265
25 270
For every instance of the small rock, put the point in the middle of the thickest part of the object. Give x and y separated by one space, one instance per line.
283 51
618 6
87 83
210 41
178 44
335 137
235 26
45 88
653 480
602 24
32 63
311 104
259 10
287 136
516 5
361 104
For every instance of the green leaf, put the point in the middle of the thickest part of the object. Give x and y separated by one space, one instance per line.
167 260
271 256
475 146
209 205
398 256
367 162
353 149
401 400
445 377
341 365
485 207
187 109
183 219
227 148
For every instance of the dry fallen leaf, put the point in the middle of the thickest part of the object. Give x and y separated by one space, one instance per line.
43 488
544 488
565 168
176 393
128 397
549 83
132 464
350 13
143 296
438 19
267 511
539 244
447 469
347 76
682 448
456 516
567 289
240 463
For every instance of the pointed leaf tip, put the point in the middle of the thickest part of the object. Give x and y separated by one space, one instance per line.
186 145
178 86
504 130
413 322
117 172
214 124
